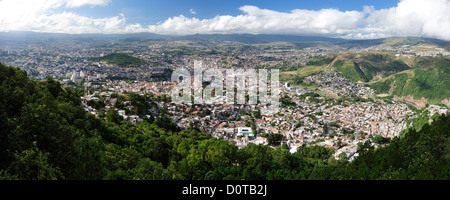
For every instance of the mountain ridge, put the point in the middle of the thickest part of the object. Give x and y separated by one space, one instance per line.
25 37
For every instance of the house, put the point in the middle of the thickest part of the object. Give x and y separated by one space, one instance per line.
228 131
122 113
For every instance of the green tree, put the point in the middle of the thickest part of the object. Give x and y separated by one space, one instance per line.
33 164
113 116
274 139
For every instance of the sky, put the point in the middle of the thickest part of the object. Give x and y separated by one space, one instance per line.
355 19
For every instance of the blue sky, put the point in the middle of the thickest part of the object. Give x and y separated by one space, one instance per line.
356 19
150 12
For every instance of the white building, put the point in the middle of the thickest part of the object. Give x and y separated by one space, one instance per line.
122 113
245 131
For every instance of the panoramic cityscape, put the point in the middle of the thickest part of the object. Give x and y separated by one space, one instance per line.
352 91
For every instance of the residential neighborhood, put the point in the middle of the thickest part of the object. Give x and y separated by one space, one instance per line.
335 113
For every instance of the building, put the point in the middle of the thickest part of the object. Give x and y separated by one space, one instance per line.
122 113
245 131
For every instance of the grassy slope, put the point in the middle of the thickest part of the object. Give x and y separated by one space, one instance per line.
430 81
315 66
367 66
354 66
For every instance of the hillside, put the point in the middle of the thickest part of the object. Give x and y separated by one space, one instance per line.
430 81
415 79
392 42
354 66
368 66
316 65
122 60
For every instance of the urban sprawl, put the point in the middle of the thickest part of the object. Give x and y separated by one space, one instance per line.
320 116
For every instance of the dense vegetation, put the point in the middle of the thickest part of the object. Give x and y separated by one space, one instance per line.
45 134
122 60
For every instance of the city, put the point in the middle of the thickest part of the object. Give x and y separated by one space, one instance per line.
308 118
221 99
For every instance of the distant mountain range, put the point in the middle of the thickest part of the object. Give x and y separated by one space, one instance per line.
23 37
34 37
260 38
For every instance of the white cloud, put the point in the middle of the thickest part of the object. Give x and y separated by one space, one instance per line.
79 3
429 18
39 16
256 20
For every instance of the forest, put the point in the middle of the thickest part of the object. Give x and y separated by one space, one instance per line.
46 135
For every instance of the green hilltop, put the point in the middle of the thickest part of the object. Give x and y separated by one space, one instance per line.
122 60
430 81
354 66
392 41
368 66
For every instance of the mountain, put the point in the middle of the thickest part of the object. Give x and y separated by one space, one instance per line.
356 67
258 38
368 66
415 79
391 42
428 83
28 37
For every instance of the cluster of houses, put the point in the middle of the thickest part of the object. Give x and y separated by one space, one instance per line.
333 82
312 121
